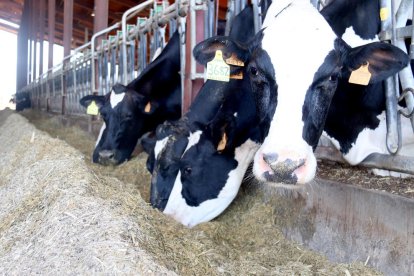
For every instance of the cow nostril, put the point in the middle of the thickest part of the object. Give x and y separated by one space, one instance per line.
270 158
287 166
106 154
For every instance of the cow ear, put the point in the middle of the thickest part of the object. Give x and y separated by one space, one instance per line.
205 51
149 107
119 88
144 104
222 131
381 59
86 101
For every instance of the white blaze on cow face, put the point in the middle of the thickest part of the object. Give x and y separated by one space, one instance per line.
193 139
192 215
100 134
159 146
297 39
116 98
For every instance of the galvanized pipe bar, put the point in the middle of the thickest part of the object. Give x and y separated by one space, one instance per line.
93 41
129 12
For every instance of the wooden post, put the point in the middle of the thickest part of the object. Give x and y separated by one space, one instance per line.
67 42
22 49
51 36
35 28
100 22
51 33
42 33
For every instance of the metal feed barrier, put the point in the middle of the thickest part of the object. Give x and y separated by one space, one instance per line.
121 57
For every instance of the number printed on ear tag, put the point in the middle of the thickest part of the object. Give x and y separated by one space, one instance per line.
92 109
217 69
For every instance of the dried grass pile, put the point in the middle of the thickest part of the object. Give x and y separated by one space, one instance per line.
59 213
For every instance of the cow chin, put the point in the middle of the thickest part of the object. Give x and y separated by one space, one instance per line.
290 173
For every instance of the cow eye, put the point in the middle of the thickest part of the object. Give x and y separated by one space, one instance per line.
253 71
128 117
187 171
334 77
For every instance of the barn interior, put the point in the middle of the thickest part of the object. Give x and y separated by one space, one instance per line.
62 213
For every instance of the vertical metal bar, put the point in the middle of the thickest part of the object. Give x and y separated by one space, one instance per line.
406 75
257 20
392 141
412 35
100 73
229 15
113 64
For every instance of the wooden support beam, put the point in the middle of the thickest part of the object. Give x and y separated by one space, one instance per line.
22 49
42 7
51 32
67 42
35 9
67 26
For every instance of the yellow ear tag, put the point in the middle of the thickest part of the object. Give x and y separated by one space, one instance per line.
217 69
238 76
222 145
234 60
148 107
361 75
383 14
92 109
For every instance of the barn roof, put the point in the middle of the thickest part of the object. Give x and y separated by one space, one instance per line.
83 10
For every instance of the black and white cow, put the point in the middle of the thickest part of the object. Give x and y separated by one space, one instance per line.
196 176
130 111
310 61
356 122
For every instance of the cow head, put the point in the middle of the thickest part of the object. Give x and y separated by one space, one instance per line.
257 68
125 113
210 172
308 60
163 163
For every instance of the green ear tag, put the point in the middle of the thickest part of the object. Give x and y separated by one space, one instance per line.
92 109
217 69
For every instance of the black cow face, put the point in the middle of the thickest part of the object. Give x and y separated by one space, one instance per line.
163 162
125 113
211 170
258 68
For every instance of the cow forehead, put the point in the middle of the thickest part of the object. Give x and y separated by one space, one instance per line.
115 99
297 39
193 139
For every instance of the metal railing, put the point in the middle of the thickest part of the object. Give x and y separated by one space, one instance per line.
94 69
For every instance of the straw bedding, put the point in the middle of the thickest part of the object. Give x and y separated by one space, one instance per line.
61 214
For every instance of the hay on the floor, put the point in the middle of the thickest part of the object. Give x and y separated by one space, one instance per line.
60 213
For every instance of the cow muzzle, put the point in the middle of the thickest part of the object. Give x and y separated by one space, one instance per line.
284 168
107 157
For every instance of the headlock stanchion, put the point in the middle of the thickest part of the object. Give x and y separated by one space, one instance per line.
394 29
126 49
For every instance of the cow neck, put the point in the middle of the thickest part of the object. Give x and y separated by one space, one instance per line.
162 74
210 99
